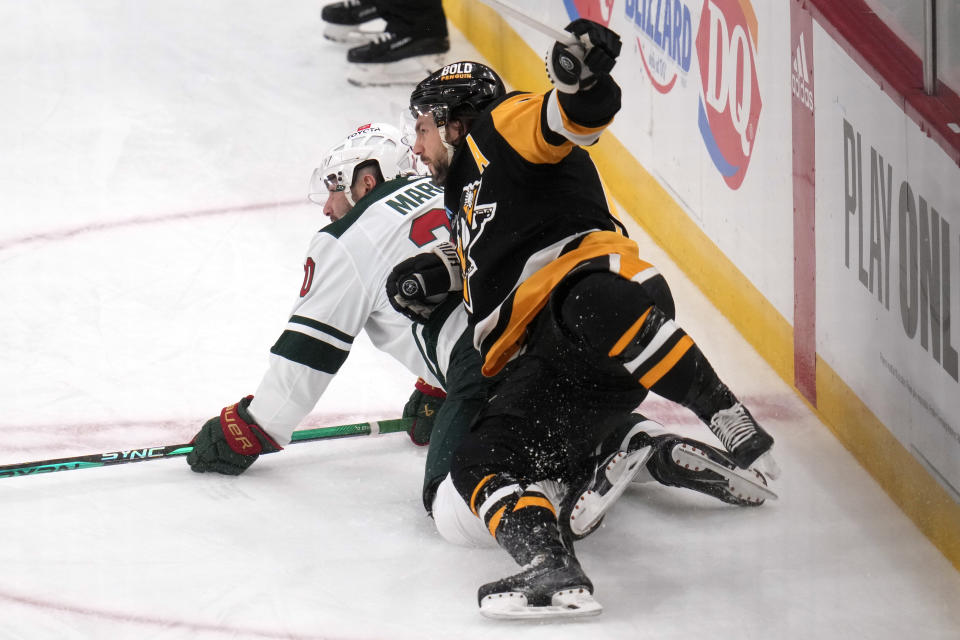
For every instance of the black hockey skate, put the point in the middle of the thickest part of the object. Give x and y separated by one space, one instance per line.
669 459
681 462
391 59
552 585
344 19
389 47
741 435
582 512
349 12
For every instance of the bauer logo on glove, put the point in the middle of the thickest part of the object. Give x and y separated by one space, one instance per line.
230 443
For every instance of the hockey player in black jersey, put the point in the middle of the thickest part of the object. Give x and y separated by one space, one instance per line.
577 326
380 214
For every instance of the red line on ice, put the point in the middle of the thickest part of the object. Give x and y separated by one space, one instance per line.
148 620
34 439
14 438
63 234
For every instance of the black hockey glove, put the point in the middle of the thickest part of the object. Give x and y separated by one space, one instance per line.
420 283
423 406
231 442
578 67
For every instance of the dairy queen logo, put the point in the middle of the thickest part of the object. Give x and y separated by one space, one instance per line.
596 10
730 101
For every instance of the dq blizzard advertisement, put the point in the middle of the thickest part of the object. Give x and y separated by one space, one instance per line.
716 39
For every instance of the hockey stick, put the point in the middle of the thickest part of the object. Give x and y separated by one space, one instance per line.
170 451
503 8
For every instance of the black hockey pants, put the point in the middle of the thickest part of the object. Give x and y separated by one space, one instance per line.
415 18
590 357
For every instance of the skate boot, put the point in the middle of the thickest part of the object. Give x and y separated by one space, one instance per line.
344 19
391 59
744 439
682 462
552 585
642 449
582 512
523 521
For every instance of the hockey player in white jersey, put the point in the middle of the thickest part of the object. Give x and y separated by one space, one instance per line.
371 192
382 212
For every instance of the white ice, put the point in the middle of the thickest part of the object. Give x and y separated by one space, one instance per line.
155 159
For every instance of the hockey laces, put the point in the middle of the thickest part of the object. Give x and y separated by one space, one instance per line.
381 38
734 426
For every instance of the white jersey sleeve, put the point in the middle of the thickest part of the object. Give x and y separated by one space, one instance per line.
343 293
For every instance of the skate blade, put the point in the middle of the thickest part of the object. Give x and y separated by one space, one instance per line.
570 603
409 71
738 480
591 506
347 34
768 466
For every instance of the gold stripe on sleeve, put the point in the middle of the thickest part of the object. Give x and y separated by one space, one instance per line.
517 119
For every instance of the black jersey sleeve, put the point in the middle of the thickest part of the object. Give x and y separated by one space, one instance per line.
594 107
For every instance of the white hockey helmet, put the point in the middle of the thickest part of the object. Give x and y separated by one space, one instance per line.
376 141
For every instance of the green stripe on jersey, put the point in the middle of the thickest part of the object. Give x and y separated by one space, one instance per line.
325 328
308 351
426 336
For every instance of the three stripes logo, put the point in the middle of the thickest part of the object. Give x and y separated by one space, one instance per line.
800 80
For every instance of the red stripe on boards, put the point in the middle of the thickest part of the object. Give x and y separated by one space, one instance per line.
804 206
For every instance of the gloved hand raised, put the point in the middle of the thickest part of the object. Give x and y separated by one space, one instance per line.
578 67
420 283
423 406
231 442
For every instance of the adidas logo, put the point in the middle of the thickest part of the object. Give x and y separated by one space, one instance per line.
800 75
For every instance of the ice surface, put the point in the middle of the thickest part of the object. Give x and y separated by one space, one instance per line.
152 189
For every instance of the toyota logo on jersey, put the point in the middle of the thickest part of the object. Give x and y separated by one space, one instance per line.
730 99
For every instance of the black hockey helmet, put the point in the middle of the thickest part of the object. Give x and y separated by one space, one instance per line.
464 88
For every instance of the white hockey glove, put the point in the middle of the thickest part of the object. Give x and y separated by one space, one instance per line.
420 283
578 67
